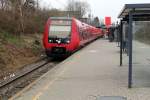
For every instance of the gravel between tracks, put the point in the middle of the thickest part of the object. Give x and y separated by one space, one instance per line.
18 84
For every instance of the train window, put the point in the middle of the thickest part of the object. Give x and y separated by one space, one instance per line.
59 31
61 22
60 28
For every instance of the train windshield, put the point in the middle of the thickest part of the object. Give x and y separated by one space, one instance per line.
60 28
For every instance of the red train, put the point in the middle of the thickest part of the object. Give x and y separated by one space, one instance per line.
64 35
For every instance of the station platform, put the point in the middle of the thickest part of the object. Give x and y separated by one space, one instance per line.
89 74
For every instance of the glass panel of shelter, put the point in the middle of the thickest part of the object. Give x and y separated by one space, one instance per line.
141 53
141 49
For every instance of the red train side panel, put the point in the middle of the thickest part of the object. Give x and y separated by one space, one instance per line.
65 35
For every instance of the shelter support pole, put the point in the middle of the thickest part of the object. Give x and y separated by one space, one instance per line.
130 35
121 42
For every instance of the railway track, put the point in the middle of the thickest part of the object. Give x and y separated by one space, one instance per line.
21 78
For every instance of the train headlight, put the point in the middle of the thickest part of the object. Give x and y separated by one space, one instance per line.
68 41
58 41
50 41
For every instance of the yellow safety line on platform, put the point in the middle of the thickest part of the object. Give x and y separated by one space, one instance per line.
36 97
42 90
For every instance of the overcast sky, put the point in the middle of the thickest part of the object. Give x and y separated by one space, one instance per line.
100 8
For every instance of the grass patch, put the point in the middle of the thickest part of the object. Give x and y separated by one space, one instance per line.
22 42
36 47
11 38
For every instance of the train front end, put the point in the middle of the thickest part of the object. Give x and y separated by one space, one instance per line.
58 37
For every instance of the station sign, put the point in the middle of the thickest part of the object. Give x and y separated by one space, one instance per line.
107 21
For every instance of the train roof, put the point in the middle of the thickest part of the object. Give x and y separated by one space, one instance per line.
65 18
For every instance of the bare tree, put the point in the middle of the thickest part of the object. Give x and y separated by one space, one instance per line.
4 4
96 22
20 8
29 4
78 8
37 3
16 7
24 16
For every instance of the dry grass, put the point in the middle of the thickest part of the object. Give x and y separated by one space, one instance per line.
16 52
